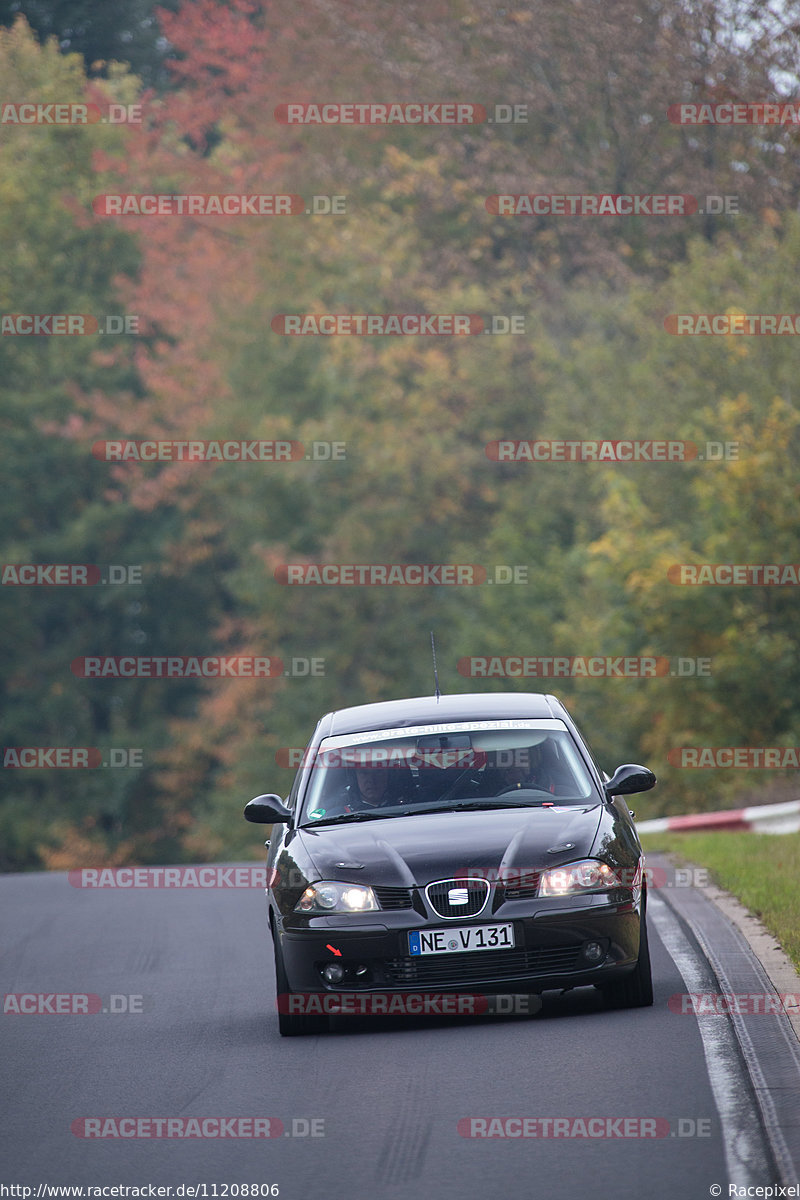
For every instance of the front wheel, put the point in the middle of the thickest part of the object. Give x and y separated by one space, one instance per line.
636 989
293 1024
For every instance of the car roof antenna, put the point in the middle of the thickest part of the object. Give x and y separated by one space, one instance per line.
435 673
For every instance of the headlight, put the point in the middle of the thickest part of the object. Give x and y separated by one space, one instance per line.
321 898
588 875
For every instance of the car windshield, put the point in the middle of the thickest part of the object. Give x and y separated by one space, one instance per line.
483 764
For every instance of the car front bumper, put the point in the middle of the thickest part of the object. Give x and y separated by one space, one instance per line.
555 946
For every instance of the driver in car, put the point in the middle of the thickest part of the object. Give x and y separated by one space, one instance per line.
371 789
367 788
526 771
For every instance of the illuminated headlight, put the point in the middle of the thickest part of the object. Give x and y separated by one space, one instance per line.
321 898
589 875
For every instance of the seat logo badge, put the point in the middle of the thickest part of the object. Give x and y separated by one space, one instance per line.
458 896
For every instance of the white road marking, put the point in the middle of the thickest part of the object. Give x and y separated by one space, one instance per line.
740 1122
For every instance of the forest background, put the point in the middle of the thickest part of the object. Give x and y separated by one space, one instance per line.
415 414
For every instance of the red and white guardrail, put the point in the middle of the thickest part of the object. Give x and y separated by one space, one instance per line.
764 818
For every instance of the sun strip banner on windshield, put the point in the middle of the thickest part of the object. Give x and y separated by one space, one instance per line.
408 731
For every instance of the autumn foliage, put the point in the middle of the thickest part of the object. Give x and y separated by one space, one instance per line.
415 414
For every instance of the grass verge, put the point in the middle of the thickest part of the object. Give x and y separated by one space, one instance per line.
761 869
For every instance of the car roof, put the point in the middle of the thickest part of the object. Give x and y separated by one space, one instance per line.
425 710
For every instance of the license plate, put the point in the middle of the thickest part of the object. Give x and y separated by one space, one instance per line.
460 939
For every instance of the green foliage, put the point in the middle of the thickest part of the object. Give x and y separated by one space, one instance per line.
415 413
56 506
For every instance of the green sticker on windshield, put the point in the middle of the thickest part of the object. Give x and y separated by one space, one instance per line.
316 813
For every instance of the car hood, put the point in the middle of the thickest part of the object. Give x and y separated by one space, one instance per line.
413 850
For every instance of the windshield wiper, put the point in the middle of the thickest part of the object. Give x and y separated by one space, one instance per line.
502 802
487 802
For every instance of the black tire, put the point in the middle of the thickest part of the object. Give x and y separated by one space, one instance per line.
636 989
293 1024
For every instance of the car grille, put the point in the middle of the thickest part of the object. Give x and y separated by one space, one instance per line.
478 965
398 898
524 890
440 897
394 897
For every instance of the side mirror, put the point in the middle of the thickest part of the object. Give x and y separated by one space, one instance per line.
629 778
267 810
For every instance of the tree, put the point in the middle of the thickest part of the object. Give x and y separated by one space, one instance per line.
100 32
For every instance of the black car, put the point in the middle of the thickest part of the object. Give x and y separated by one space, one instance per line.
456 846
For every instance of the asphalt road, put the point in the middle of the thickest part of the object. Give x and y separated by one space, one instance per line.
383 1098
